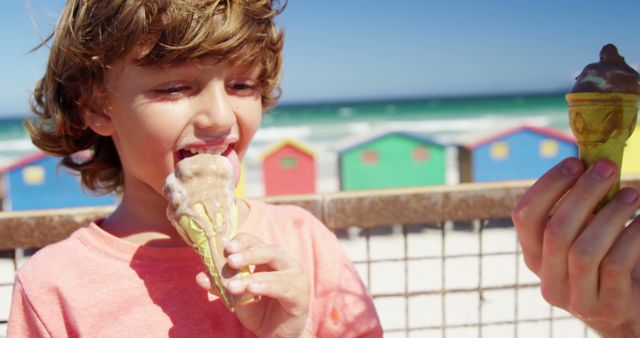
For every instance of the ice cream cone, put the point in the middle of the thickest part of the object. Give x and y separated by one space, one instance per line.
602 123
208 240
203 211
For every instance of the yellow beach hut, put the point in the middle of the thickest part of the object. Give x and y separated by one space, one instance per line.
631 159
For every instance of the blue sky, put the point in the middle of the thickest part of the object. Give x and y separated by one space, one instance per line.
360 49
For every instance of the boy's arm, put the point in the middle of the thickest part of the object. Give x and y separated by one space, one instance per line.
351 311
588 263
347 308
23 318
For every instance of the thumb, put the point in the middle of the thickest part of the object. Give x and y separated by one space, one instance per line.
204 282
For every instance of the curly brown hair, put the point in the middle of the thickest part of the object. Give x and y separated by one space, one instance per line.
91 34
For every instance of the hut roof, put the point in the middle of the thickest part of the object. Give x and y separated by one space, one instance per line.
550 132
355 141
296 144
23 161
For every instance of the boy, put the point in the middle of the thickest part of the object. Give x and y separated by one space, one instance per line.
142 85
589 264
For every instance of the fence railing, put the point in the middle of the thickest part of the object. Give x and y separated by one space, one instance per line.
438 261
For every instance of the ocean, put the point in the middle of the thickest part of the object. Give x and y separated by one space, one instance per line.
323 126
431 116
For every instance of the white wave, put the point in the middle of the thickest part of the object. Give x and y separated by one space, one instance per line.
359 127
345 112
278 133
17 145
466 125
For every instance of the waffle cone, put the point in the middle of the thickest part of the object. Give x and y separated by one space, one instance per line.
208 240
602 123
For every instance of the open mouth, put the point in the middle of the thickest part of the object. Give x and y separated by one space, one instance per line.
192 151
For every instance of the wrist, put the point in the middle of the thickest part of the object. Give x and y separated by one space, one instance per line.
625 330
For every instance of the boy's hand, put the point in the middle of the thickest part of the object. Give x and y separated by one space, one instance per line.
279 281
588 264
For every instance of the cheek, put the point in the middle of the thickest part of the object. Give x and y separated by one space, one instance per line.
249 120
159 121
148 136
253 122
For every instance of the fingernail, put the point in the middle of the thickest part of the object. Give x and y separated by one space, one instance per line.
234 285
603 170
203 279
235 259
256 287
627 196
232 245
571 167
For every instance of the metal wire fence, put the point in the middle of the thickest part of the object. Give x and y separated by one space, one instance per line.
470 282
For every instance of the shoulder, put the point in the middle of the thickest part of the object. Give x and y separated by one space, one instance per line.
52 255
54 260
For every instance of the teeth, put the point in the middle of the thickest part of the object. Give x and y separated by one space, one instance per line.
212 151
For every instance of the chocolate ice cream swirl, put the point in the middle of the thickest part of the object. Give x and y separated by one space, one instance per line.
610 75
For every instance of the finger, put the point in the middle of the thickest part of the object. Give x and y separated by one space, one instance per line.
592 245
531 212
564 226
262 254
617 267
237 286
291 290
240 242
204 282
635 273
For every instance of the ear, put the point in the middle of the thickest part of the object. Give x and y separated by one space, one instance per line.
98 121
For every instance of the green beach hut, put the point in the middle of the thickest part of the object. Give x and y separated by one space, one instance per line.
391 160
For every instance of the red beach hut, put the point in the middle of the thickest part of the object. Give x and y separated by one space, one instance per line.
289 168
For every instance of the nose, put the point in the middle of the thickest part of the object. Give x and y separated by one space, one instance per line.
214 111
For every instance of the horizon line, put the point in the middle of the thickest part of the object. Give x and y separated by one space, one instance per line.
418 97
356 100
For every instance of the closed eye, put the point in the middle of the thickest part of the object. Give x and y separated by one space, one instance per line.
243 88
172 92
172 89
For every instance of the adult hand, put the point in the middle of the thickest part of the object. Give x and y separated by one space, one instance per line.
279 282
587 263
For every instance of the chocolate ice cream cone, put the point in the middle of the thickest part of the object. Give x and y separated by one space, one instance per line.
602 123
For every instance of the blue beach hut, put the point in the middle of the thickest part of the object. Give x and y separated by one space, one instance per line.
38 182
523 152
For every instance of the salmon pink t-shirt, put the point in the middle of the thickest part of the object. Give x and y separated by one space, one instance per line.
93 284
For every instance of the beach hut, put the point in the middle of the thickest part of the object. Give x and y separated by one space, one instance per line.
522 152
38 182
631 159
240 190
289 167
390 160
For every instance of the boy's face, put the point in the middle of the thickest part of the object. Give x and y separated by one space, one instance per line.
160 115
